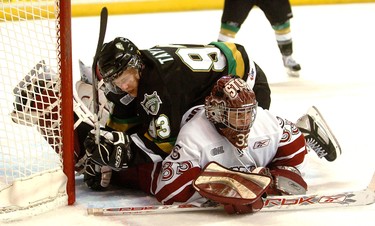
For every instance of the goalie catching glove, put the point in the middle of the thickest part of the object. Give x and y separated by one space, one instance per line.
239 192
113 149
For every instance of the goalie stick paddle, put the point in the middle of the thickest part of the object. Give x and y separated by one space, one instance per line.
272 203
95 88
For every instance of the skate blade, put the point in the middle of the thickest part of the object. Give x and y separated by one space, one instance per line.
314 112
291 73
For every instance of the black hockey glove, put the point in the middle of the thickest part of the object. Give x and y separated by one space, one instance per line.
96 177
113 149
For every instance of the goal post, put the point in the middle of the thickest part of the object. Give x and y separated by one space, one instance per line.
67 96
36 107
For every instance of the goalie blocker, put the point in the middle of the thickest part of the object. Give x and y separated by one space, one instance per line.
241 192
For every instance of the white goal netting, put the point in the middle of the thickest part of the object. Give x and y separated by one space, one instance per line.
31 165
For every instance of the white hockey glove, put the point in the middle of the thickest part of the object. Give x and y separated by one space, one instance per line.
239 192
113 149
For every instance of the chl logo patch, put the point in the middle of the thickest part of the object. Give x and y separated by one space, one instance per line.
151 103
217 151
261 143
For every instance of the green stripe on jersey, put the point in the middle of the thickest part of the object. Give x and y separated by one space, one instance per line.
236 65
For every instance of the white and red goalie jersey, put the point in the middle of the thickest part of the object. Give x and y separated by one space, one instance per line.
273 142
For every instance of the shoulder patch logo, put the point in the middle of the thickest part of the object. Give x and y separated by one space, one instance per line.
151 103
261 144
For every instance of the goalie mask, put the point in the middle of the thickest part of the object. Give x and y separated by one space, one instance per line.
114 58
232 108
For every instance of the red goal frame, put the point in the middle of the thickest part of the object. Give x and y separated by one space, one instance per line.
67 96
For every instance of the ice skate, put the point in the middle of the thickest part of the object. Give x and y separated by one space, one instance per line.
291 66
318 136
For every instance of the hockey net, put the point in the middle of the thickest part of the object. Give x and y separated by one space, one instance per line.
36 117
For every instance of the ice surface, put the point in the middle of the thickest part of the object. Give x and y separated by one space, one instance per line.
336 52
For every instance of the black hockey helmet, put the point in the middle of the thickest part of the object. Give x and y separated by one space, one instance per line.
116 56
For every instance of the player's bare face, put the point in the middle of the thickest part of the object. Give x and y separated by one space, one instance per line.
128 81
240 120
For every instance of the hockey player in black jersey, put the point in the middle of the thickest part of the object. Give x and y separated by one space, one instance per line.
155 87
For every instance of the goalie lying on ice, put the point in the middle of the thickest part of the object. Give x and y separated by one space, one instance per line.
231 130
229 151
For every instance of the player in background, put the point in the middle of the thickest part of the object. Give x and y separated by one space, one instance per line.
218 145
278 14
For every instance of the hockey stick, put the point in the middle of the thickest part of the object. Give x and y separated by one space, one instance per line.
272 203
95 88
